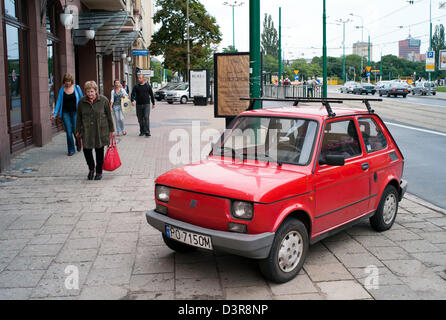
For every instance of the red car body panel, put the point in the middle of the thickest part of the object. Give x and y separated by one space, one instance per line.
328 196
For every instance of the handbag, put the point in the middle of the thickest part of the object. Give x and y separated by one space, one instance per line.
111 160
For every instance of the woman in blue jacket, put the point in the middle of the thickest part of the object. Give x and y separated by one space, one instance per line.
66 108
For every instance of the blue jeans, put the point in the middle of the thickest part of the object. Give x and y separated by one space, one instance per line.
119 119
69 120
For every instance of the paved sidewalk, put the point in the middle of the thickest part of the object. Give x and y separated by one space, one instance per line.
52 218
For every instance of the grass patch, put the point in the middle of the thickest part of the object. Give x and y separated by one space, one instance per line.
441 89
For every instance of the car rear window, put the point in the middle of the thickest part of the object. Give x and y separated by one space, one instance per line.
374 139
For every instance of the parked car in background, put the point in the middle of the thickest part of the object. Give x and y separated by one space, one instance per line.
306 176
178 94
365 88
422 88
161 93
348 87
394 89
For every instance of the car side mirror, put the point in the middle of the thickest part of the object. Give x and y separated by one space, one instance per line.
333 160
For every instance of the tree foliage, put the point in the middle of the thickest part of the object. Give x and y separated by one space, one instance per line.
171 38
270 38
438 43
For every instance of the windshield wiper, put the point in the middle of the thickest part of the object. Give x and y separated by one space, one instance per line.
279 163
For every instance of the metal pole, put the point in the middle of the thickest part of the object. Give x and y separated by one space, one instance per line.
430 42
369 63
280 46
343 53
324 52
254 48
188 44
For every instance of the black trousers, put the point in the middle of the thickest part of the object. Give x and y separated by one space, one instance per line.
143 114
88 153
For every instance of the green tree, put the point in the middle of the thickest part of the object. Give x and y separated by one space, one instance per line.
270 38
438 43
158 70
171 38
229 49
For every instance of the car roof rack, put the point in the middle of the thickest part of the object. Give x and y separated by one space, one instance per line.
325 101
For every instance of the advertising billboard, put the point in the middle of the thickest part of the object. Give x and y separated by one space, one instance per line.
442 60
199 83
231 72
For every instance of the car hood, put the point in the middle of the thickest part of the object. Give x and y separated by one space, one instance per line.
263 183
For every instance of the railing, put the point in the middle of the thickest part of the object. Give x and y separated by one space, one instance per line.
302 91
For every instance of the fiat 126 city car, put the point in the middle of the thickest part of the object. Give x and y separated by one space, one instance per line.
280 180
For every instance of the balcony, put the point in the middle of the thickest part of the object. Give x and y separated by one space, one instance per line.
108 5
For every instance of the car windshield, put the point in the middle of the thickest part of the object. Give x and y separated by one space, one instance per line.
170 86
182 87
399 85
427 84
281 140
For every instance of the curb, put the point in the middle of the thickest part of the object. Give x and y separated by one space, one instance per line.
424 203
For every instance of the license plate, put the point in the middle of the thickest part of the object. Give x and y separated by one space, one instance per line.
187 237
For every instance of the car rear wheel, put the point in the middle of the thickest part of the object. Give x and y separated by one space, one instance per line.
413 93
288 252
385 215
177 246
405 96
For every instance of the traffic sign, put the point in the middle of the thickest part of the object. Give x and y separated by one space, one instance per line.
368 68
296 77
296 72
430 61
140 52
368 74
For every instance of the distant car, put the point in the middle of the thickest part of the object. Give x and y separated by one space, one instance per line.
364 88
179 94
422 88
394 89
161 93
381 85
348 87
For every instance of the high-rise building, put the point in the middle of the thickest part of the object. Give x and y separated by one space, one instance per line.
362 49
409 49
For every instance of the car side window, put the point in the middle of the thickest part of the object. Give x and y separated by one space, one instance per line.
340 138
374 139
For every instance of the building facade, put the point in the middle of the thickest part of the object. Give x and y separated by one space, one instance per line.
409 49
362 49
36 50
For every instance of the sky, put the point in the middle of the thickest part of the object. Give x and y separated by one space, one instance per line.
387 21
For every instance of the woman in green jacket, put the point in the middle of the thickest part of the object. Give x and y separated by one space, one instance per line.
94 125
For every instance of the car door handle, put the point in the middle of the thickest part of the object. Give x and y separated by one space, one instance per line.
365 166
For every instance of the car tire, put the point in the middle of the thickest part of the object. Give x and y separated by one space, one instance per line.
177 246
292 234
413 93
380 94
405 96
388 95
183 100
434 93
170 102
385 215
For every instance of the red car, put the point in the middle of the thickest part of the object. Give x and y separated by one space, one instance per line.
280 180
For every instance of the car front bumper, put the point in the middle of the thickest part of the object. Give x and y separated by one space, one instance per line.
254 246
403 187
174 99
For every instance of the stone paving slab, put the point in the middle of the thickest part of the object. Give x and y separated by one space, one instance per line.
52 218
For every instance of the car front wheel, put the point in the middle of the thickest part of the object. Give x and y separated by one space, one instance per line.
385 215
183 100
288 252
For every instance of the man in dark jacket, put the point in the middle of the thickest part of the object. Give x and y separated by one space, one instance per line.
142 93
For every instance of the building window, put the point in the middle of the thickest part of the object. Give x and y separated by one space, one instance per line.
10 8
14 75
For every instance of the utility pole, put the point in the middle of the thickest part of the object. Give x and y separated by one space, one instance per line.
430 40
280 47
188 44
233 5
362 39
370 62
254 50
343 47
324 51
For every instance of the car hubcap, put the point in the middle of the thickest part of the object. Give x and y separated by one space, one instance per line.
290 251
389 209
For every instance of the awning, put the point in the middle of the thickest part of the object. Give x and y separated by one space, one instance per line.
122 42
107 26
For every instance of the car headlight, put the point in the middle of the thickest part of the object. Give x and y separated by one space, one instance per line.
162 193
242 210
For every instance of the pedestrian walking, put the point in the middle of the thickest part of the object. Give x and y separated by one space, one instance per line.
126 87
66 108
142 93
95 126
115 105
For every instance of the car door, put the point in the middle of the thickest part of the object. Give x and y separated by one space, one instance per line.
341 192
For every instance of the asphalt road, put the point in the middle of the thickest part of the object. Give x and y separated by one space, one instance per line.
425 160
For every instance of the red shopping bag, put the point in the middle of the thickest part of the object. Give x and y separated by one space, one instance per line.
111 160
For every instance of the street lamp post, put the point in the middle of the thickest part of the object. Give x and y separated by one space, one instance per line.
279 73
324 51
254 50
343 46
233 4
362 37
188 43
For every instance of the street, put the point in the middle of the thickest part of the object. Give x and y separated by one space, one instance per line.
52 218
